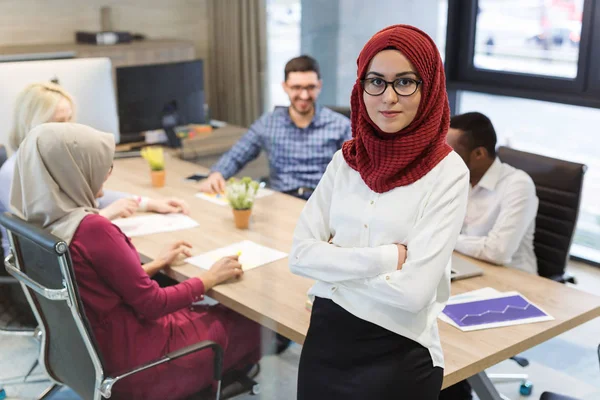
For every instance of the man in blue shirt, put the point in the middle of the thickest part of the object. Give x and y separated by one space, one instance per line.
300 140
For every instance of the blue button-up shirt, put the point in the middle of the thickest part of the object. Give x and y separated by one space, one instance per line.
297 156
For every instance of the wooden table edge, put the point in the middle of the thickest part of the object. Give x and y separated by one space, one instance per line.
520 347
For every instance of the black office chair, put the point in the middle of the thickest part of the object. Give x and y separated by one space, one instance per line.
3 155
558 185
340 110
69 353
16 317
554 396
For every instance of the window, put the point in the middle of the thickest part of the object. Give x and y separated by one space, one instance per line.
555 130
540 49
533 37
283 43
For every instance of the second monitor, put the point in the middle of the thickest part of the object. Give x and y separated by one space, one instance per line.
160 96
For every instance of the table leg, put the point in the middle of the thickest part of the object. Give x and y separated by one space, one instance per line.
483 386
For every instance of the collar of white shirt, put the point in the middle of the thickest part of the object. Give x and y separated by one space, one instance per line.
492 176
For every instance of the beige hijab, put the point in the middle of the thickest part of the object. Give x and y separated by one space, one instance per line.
59 170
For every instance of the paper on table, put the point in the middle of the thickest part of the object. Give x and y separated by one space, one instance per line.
220 199
156 223
478 294
252 255
495 310
483 293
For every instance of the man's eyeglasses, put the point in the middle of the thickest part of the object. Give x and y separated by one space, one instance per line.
402 86
300 89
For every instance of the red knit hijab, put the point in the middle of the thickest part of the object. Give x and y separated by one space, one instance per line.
389 160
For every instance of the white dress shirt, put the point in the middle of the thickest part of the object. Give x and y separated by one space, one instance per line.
500 220
357 268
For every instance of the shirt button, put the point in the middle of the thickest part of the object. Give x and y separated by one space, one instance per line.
387 277
372 202
366 226
333 288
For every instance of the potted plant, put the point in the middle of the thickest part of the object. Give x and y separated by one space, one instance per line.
156 159
240 194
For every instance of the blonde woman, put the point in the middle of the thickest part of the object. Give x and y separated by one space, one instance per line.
45 102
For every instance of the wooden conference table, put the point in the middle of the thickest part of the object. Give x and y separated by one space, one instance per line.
272 296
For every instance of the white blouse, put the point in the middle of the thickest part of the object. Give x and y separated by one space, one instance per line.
346 240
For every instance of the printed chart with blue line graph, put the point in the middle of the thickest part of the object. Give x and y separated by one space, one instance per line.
505 310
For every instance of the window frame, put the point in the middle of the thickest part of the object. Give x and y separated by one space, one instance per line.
462 74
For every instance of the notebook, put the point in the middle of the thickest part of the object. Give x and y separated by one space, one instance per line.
463 269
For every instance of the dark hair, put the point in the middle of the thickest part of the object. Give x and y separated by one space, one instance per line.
478 131
302 64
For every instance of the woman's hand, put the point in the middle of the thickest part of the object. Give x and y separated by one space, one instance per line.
221 271
170 253
121 208
168 206
402 253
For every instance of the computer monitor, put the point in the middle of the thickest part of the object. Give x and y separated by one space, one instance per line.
88 80
160 96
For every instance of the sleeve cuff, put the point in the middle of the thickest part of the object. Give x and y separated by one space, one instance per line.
389 259
196 289
461 245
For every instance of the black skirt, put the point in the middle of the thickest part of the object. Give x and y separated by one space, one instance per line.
345 357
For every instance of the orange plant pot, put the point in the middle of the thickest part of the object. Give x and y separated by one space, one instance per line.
241 218
158 178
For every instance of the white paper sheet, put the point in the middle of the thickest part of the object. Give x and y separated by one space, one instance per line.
252 255
156 223
220 199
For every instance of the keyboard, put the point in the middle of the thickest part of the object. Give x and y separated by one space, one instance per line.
127 154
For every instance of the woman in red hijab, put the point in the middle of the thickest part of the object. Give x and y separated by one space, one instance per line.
378 233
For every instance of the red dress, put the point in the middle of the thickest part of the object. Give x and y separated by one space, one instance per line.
135 321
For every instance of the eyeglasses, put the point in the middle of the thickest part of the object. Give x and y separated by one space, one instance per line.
402 86
300 89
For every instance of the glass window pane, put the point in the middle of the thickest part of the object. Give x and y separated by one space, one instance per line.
555 130
283 44
538 37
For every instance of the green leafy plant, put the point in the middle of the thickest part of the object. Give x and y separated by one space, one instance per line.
241 192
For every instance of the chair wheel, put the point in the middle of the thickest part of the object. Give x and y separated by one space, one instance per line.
255 389
526 388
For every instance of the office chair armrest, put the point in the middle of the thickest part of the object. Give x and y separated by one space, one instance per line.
50 294
563 278
107 383
522 361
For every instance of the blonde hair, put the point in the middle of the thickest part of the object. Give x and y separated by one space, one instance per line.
35 105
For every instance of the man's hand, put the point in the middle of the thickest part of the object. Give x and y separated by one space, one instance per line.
168 206
215 183
121 208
